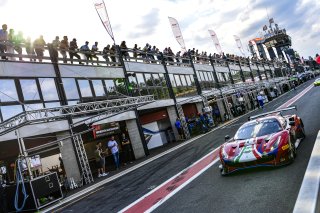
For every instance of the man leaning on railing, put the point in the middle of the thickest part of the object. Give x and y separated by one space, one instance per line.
64 47
124 50
73 48
106 52
94 49
55 45
30 49
39 44
86 50
3 40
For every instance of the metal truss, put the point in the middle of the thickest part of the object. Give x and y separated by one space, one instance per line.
107 107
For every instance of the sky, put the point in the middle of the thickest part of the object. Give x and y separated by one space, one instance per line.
146 21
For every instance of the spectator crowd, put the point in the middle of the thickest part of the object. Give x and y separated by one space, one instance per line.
12 43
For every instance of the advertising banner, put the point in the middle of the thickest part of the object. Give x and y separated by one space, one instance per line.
266 52
103 130
177 33
215 41
239 44
255 48
103 15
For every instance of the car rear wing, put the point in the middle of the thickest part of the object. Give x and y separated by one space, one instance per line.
272 112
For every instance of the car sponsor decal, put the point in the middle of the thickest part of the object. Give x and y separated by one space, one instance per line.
285 147
248 153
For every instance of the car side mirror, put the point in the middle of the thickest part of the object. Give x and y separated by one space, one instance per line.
292 123
227 137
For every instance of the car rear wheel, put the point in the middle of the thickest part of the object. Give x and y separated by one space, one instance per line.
302 133
293 151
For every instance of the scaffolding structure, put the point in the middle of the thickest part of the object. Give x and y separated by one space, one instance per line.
108 107
96 110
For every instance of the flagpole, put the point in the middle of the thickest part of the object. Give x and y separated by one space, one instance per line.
114 40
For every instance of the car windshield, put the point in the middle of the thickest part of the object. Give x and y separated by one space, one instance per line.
257 129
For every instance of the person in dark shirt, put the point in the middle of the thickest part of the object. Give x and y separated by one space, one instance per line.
100 160
73 48
124 50
3 196
126 147
55 45
3 40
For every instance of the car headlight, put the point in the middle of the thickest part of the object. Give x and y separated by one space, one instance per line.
276 144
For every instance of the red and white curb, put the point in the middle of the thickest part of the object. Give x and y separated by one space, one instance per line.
163 192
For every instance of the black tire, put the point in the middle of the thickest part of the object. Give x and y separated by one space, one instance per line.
302 132
293 150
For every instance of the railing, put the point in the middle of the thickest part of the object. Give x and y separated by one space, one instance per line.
57 56
111 57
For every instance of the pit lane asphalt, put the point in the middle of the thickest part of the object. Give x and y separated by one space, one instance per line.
256 190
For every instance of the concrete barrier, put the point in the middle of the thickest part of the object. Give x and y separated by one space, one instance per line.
308 200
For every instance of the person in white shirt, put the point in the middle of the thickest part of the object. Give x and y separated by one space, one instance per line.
113 146
260 100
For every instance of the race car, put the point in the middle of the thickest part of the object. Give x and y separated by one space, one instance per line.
316 82
268 139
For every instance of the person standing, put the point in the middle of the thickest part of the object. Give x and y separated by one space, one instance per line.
113 53
179 128
126 147
3 195
38 45
106 52
317 58
55 45
86 50
135 52
73 48
94 49
29 49
9 45
260 100
64 47
18 40
124 50
100 160
113 146
3 40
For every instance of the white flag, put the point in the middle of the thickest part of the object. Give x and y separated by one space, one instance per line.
177 33
239 44
285 56
266 52
275 52
103 15
215 41
255 48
